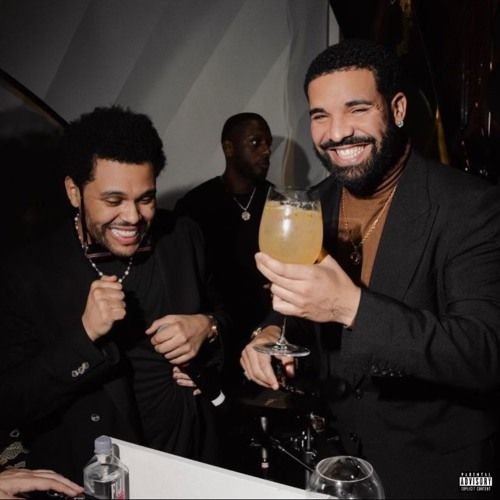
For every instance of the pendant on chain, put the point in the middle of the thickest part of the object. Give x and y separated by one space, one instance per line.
245 215
355 256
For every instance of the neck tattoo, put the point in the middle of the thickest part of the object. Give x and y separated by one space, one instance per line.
93 264
355 255
245 214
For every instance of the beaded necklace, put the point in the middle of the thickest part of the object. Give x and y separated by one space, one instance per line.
93 264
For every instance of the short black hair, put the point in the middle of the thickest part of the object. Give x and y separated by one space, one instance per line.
234 124
353 53
109 133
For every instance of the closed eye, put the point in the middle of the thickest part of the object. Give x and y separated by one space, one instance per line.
318 116
113 202
147 200
359 110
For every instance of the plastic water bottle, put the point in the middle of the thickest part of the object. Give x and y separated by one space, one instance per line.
106 476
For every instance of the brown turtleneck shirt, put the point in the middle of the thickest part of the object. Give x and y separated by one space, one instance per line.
358 217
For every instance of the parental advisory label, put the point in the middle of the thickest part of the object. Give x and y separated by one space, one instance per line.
475 481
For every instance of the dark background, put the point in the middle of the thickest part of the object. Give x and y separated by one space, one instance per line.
450 50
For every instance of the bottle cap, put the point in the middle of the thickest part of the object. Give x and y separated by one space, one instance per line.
102 444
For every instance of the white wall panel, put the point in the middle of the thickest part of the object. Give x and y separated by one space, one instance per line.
189 64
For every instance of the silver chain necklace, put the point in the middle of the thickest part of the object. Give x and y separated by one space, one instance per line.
93 264
245 214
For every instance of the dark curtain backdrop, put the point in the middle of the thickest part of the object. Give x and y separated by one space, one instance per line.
451 50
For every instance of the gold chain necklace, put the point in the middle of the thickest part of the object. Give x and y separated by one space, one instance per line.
355 255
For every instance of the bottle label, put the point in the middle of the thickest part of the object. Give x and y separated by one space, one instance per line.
118 489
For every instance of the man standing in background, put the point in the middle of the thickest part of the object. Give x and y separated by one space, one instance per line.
228 209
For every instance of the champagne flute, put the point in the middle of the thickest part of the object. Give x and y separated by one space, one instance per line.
345 477
291 231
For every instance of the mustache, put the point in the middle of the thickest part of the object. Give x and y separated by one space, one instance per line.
125 224
141 226
347 141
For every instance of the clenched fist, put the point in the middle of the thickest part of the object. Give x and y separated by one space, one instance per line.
105 305
179 336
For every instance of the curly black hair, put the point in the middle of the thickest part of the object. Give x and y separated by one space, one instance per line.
354 53
110 133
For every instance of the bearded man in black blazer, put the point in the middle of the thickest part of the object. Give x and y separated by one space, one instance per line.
100 318
403 311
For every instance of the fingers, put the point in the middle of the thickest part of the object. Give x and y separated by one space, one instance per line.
171 341
110 302
184 380
157 325
288 366
179 337
109 279
268 265
257 366
288 276
181 378
105 305
15 481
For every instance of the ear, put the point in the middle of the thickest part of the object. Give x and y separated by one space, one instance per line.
228 148
398 108
73 192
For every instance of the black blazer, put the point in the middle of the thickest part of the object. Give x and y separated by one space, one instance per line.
411 385
57 386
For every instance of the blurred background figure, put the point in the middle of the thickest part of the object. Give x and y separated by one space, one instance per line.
228 209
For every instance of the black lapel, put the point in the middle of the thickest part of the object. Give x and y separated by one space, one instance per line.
330 200
405 232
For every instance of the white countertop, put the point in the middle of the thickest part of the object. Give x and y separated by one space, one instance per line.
154 474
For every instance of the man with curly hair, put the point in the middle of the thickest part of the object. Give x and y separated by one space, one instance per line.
100 317
403 312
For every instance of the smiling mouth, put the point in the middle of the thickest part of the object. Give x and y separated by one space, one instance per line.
349 154
125 235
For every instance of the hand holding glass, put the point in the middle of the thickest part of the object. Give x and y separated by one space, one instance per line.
291 231
345 477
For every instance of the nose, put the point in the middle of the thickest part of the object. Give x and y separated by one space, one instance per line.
339 129
131 213
266 149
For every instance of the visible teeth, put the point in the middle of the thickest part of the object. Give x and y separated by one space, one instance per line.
349 153
125 233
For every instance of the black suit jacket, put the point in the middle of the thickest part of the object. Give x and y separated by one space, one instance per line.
411 385
61 389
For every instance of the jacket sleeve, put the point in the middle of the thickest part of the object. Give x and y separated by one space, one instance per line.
210 299
44 364
447 333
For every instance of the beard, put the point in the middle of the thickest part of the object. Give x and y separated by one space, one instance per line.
364 178
253 171
99 245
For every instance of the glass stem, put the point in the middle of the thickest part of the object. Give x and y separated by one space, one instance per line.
282 339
